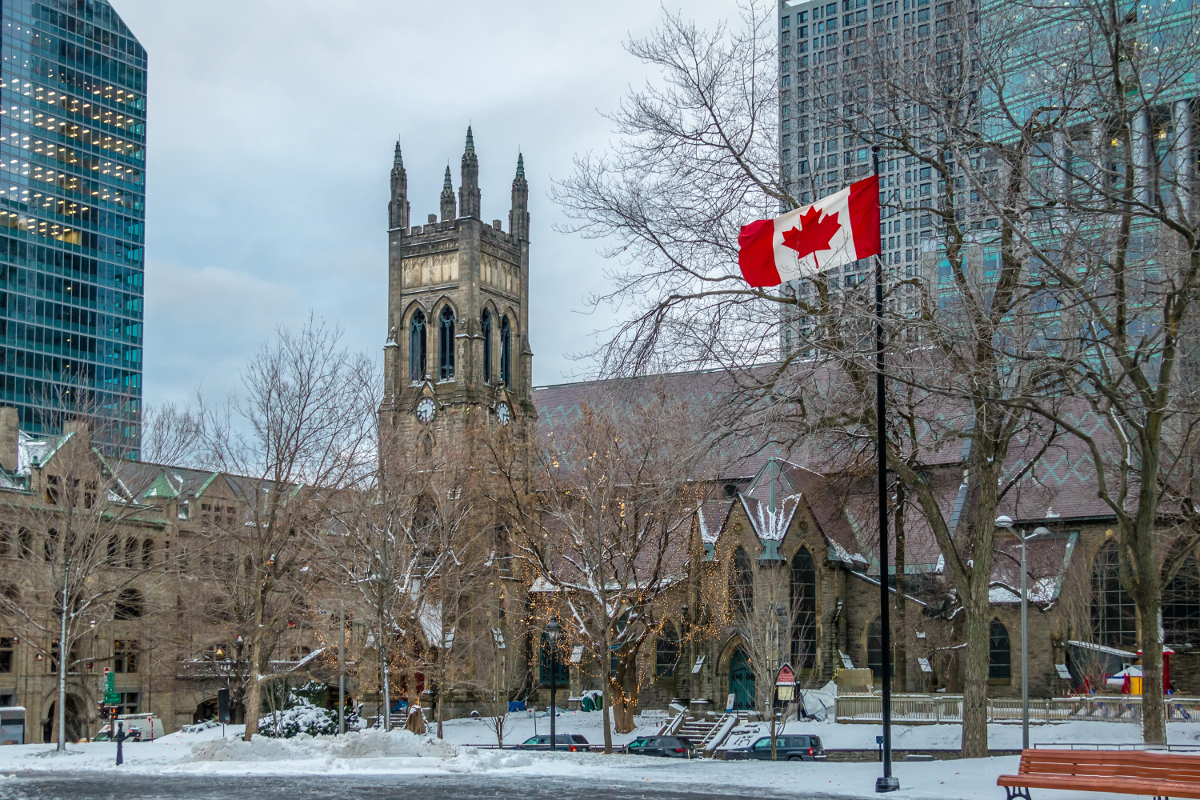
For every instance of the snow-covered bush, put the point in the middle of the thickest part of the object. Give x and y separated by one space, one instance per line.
303 715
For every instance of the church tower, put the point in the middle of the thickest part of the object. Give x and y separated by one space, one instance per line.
458 313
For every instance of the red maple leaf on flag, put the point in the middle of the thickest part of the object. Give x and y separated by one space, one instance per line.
814 233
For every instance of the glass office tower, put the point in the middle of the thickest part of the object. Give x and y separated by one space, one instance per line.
72 211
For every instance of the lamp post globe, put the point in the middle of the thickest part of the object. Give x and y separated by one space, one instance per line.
552 631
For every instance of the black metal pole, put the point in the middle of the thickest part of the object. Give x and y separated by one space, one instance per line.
553 684
887 783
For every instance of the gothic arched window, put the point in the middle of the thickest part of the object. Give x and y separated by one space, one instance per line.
999 653
1181 605
485 325
804 609
446 345
129 605
741 583
666 651
416 348
506 352
1114 617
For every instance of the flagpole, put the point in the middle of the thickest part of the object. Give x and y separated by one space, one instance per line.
886 783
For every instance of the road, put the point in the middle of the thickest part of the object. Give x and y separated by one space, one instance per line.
106 786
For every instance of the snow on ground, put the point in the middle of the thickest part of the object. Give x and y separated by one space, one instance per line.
521 725
401 753
859 736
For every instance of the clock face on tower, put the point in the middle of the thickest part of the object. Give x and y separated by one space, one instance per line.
503 413
426 410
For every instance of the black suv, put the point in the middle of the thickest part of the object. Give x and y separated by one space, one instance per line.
787 748
666 746
563 741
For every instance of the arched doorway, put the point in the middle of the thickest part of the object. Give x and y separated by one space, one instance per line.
741 680
75 720
205 711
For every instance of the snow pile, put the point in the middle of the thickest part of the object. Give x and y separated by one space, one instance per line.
359 744
377 743
258 749
472 760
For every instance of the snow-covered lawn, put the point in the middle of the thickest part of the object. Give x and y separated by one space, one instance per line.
401 753
521 725
854 736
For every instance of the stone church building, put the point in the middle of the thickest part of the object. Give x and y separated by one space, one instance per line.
458 340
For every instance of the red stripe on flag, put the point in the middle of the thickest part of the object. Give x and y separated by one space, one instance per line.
864 217
757 255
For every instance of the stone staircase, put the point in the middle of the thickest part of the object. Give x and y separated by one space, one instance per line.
697 730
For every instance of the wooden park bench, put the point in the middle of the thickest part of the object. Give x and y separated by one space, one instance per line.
1146 772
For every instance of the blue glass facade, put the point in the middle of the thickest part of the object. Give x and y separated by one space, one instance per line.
72 214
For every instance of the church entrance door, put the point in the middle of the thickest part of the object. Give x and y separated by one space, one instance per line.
741 680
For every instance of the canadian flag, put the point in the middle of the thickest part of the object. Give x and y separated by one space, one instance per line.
833 231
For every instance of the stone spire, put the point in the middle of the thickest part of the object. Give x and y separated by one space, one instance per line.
468 194
518 217
448 213
398 206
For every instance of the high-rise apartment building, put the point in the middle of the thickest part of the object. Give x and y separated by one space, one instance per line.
72 216
825 75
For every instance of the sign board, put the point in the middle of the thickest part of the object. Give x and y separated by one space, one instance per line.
112 698
730 702
924 662
223 706
786 693
108 681
1063 672
786 676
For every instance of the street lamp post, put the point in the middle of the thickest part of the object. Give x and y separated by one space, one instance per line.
1006 522
552 631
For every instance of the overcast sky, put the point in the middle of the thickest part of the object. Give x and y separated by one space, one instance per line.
271 128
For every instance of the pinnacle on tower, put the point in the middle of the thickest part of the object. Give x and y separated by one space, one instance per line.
448 211
469 202
518 217
398 206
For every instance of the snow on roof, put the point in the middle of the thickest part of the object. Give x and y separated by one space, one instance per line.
1112 651
1042 590
770 523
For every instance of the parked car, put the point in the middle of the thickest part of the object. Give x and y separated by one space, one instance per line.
563 741
787 748
666 746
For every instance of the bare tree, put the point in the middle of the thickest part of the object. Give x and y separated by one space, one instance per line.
296 439
613 487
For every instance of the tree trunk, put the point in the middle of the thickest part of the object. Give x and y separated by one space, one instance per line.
441 700
1148 599
254 681
253 690
608 704
975 676
383 679
63 657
